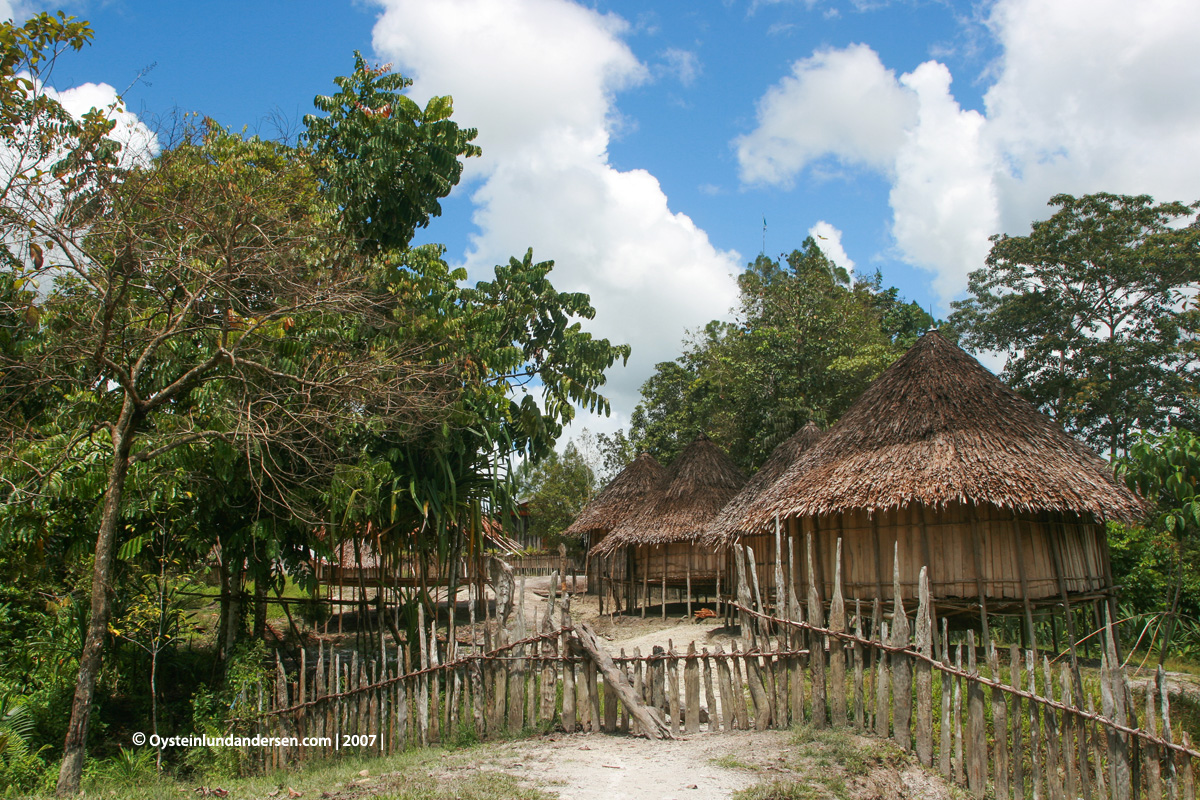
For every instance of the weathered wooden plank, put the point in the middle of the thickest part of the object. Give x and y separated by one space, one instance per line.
999 727
1070 730
1171 776
1054 783
901 664
593 696
1112 696
1151 767
672 665
924 673
728 716
691 691
947 687
859 693
569 717
977 755
837 652
959 764
623 724
1099 748
1187 781
1035 735
739 695
1018 748
763 711
710 696
816 646
882 685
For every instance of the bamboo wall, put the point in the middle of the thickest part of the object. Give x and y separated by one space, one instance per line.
967 548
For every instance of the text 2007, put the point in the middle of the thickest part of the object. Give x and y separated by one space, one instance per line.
363 740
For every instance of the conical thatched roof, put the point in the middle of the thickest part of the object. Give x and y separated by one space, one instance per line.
935 428
725 526
697 485
624 495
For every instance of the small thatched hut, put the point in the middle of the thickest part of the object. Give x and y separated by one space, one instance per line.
623 496
941 460
660 541
726 528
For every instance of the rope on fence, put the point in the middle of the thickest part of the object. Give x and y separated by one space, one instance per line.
974 678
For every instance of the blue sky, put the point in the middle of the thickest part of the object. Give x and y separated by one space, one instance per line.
641 144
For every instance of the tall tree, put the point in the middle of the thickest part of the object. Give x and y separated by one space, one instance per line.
806 342
1095 310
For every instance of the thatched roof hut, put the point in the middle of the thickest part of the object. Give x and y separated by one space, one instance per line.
697 485
943 465
726 526
938 428
624 495
659 543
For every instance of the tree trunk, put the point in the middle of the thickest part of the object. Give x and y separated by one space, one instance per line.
71 769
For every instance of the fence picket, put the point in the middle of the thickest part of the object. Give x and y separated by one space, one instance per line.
710 697
959 766
728 718
859 706
1018 739
976 726
900 663
999 727
816 645
924 673
944 743
882 685
837 652
691 689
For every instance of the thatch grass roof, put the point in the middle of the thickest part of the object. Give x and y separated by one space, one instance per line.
937 428
624 495
726 526
697 485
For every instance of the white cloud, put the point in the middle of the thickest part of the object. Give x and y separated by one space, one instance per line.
138 142
539 78
842 103
829 239
682 64
1088 95
943 195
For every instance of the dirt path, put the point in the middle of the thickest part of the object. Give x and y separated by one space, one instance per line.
602 767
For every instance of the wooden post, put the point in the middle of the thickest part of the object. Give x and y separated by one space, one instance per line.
816 647
1018 760
728 718
1160 683
882 685
664 581
691 691
1030 633
976 727
999 726
1053 735
837 653
672 670
924 676
739 694
780 605
901 665
1035 736
568 695
859 705
710 696
1070 726
1112 695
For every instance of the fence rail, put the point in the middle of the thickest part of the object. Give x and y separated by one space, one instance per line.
1006 723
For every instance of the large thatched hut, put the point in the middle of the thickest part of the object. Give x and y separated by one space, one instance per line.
660 541
726 527
623 496
942 463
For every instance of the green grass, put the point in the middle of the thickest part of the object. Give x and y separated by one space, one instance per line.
729 761
426 774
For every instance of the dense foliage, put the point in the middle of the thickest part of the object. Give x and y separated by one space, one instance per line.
1095 310
805 342
224 356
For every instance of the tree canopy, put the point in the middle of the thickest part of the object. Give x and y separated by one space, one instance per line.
805 342
1095 310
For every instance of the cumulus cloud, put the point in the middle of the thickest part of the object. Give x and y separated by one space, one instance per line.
839 102
539 79
682 64
138 142
829 239
1087 96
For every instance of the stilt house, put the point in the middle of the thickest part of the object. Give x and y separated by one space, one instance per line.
940 462
661 542
726 528
623 496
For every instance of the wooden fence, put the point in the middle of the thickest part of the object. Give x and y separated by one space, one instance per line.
999 722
